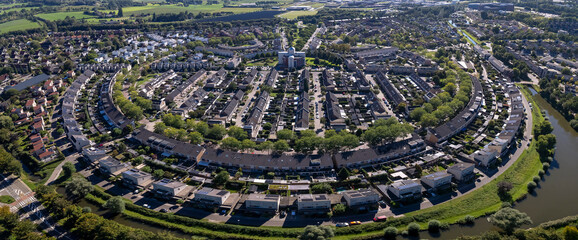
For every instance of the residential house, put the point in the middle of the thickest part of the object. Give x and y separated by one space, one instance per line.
404 190
314 203
136 179
263 202
212 196
360 197
437 181
462 171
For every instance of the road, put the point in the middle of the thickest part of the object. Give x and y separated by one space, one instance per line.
380 95
70 158
317 103
239 118
306 46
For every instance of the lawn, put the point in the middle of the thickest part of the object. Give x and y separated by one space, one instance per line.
295 14
159 9
322 63
485 200
6 199
63 15
20 24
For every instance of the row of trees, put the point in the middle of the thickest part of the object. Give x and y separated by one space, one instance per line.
566 103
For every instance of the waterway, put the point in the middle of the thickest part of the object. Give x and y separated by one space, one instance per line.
556 196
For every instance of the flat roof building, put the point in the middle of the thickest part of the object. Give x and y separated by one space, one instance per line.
437 180
313 203
212 196
404 190
462 171
263 202
135 178
168 188
360 197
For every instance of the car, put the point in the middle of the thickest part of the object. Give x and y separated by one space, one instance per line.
382 203
380 219
146 205
343 224
164 210
136 191
354 223
282 214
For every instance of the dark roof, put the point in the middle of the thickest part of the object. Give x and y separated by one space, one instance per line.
30 82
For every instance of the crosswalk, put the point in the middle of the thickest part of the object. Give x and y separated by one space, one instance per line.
22 202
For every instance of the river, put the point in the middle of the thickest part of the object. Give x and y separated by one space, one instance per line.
556 195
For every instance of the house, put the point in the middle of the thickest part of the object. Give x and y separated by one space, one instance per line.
167 188
485 157
334 112
313 203
302 113
462 171
263 202
93 154
212 196
30 104
111 166
404 190
135 179
437 181
360 197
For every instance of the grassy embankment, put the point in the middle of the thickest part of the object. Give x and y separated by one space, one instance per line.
485 200
295 14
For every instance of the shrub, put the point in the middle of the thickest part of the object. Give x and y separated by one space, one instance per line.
413 228
545 166
390 233
536 179
506 205
469 219
433 226
404 233
541 173
532 186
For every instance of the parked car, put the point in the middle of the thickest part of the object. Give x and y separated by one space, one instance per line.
146 205
343 224
354 223
380 219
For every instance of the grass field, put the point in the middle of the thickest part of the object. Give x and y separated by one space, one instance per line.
295 14
63 15
159 9
6 199
20 24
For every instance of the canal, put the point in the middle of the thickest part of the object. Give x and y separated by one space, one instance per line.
556 195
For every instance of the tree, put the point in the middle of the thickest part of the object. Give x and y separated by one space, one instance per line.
390 232
196 138
317 233
543 128
509 219
217 132
570 233
221 178
417 113
8 164
247 144
418 171
339 209
504 187
6 122
413 228
285 134
78 187
115 204
231 143
68 169
120 13
343 173
237 133
158 173
433 226
266 146
281 146
321 188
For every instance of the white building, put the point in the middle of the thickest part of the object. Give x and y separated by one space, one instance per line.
135 178
405 189
485 156
111 166
93 154
264 202
462 171
168 188
212 196
360 197
313 202
437 180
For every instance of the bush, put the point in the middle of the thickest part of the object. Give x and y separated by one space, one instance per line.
532 186
390 233
413 228
469 219
433 226
545 166
339 209
541 173
536 179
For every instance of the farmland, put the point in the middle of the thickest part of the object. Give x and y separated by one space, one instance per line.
296 14
63 15
20 24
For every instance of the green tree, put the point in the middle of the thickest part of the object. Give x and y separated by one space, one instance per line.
285 134
217 132
570 233
158 173
221 178
343 173
237 133
120 13
390 232
339 209
267 146
317 233
247 144
508 219
78 187
321 188
413 228
231 143
115 204
281 146
196 138
68 169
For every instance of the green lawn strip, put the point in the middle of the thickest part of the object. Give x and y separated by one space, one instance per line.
194 226
485 200
471 36
6 199
296 14
63 15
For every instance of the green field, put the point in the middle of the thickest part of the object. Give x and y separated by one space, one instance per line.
159 9
63 15
6 199
295 14
20 24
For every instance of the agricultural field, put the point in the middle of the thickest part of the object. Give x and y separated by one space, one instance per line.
159 9
63 15
296 14
20 24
